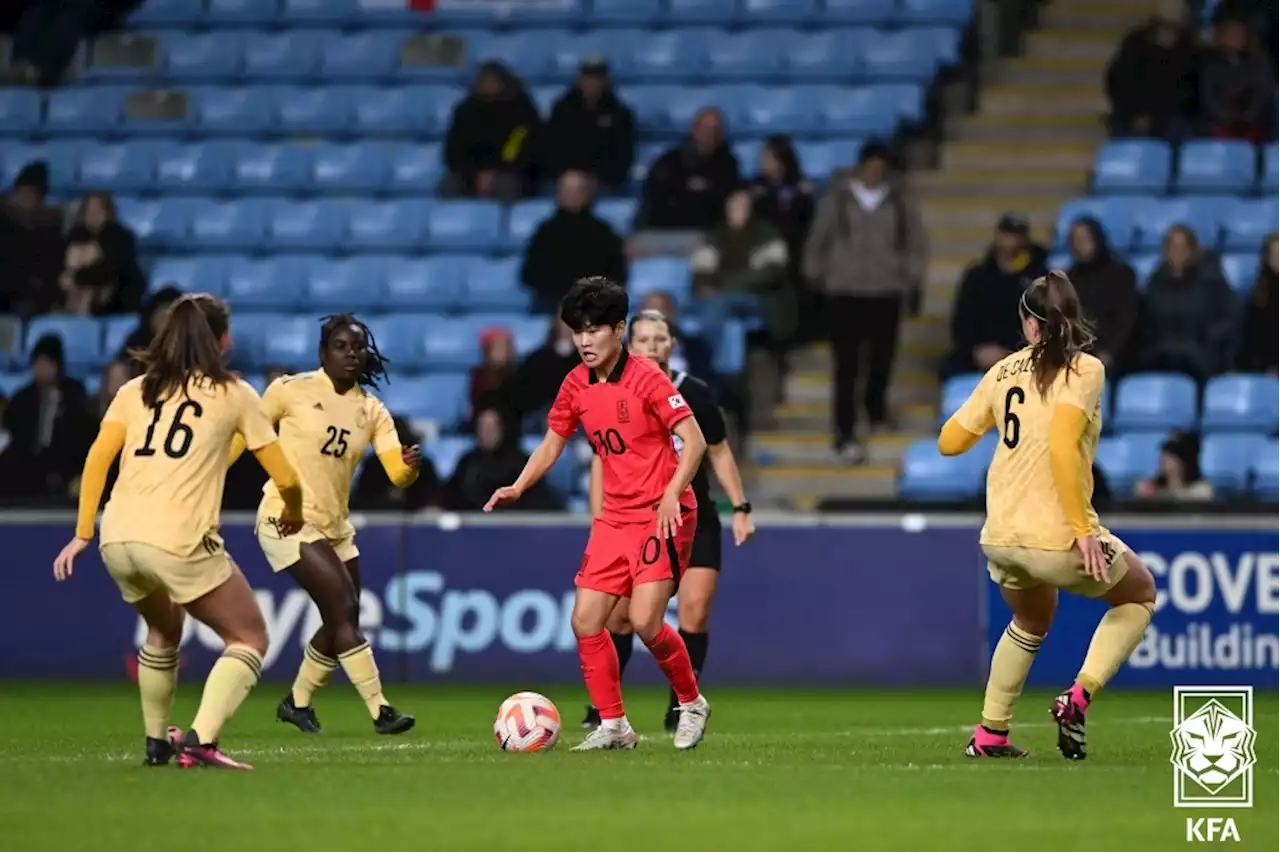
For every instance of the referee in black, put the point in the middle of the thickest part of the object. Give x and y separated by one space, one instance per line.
651 335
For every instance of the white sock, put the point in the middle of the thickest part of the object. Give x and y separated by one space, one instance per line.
618 724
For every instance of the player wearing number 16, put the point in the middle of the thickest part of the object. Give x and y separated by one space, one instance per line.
641 540
159 536
1041 533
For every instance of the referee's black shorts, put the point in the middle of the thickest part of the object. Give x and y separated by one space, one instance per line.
706 542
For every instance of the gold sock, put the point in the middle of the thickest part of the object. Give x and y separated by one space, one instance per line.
314 673
362 671
1010 664
1117 635
157 684
229 683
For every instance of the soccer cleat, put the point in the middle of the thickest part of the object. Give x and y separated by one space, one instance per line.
160 752
984 743
603 738
671 720
392 721
1068 711
591 720
194 754
302 718
693 723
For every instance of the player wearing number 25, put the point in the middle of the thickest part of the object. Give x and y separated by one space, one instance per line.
172 428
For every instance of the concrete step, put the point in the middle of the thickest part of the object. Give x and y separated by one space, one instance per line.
973 184
1030 100
789 449
912 356
822 481
1113 16
1067 76
906 387
1036 155
972 239
1043 127
815 418
1074 42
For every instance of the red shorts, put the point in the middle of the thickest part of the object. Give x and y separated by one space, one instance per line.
621 556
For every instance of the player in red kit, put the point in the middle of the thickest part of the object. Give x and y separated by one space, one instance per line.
641 540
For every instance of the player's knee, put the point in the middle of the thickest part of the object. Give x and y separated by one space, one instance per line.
694 614
164 637
1139 586
1032 624
619 623
346 636
648 627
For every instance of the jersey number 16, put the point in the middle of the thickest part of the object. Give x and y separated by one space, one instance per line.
177 441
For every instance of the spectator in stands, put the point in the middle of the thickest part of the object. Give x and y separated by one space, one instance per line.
101 275
784 197
494 462
1237 85
48 32
50 427
691 354
1179 478
687 186
493 135
1151 81
867 252
150 319
537 379
114 375
591 129
1107 288
373 491
1188 312
1261 333
573 243
984 321
31 245
491 381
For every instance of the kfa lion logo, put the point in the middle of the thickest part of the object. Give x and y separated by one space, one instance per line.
1213 747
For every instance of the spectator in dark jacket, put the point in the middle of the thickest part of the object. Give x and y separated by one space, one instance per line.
591 130
490 382
374 492
105 277
1188 311
984 321
31 245
1237 85
538 378
1108 291
489 150
783 196
150 319
495 462
1258 351
1151 81
573 243
687 186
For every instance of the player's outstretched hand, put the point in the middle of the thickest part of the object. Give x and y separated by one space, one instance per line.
64 565
743 528
505 494
411 456
668 517
1095 563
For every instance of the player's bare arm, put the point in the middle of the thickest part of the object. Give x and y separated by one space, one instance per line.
695 446
540 461
730 478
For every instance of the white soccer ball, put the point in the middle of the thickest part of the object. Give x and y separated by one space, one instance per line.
527 721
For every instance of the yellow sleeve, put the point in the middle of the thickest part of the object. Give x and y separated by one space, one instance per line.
955 439
275 401
237 449
273 461
1084 384
970 422
93 479
254 425
385 437
400 474
1066 463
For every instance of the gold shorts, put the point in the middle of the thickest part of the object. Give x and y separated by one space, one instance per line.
1028 567
141 570
284 552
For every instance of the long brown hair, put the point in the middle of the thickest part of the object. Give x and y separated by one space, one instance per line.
189 344
1051 301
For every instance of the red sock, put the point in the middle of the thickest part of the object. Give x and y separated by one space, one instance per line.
600 672
673 658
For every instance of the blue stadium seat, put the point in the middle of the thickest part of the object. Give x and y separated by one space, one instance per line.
157 224
84 110
290 341
1124 459
619 213
1143 266
951 13
669 55
232 13
1132 165
352 285
290 55
191 274
954 393
864 111
249 332
233 112
1216 166
682 103
387 225
361 55
494 285
436 283
1240 270
319 12
764 110
463 225
1155 401
523 218
301 109
304 225
11 383
868 12
898 56
399 337
19 112
416 169
445 453
744 56
526 53
1247 222
1225 461
1155 216
729 355
566 52
275 283
451 343
63 158
269 168
193 167
257 381
787 12
383 110
213 57
748 154
1115 215
826 54
646 154
820 159
655 274
227 224
1241 403
927 475
81 337
168 13
360 166
115 331
700 11
117 168
1266 473
945 42
1269 180
626 11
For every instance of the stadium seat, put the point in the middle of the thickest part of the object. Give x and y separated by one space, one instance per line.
269 168
465 225
124 167
1155 216
744 56
950 13
1155 401
157 223
399 337
1132 165
1124 459
1241 403
1246 222
212 57
626 11
1225 461
682 103
1270 177
193 167
523 219
820 159
494 285
233 112
94 110
783 12
669 55
567 51
11 383
386 225
115 331
81 337
1115 215
729 353
302 109
436 283
227 224
762 109
168 13
1266 473
293 55
864 111
232 13
319 12
381 110
452 343
619 213
275 283
822 55
1143 266
19 112
683 12
1225 166
446 451
441 397
191 274
659 274
954 393
355 166
290 341
1240 270
353 285
304 225
359 55
927 475
897 56
867 12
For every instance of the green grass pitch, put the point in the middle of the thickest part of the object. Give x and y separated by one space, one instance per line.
780 770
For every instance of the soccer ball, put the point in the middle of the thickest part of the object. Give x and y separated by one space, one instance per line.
527 721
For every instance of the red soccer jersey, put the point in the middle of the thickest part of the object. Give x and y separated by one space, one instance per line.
628 419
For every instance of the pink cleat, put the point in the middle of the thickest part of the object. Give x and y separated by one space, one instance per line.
1069 710
985 743
193 754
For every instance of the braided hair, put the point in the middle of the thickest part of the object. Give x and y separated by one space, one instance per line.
375 363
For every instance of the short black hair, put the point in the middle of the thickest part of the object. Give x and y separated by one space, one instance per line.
375 365
594 301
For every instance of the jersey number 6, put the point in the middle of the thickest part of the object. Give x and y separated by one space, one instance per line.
178 440
1012 425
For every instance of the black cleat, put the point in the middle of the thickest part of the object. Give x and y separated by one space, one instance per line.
591 721
671 720
392 721
302 718
160 752
1068 710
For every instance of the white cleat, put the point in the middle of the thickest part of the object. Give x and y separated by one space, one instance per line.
693 723
604 738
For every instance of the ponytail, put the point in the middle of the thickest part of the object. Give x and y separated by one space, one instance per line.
1051 302
189 344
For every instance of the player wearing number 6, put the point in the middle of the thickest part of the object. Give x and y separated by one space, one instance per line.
641 540
327 418
172 428
1041 533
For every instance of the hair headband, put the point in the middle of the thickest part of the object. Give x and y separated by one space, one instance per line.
1027 307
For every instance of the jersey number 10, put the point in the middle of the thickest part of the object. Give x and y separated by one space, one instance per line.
177 441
